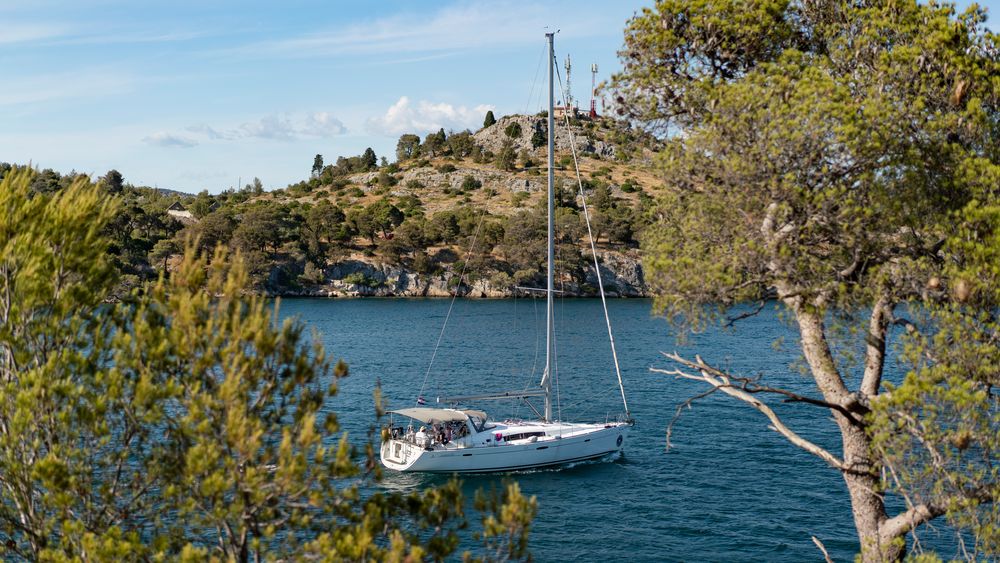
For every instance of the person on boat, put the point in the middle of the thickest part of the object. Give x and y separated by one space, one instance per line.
421 437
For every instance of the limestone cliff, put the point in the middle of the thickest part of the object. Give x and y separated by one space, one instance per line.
621 273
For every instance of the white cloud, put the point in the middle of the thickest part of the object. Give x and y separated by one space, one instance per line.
322 124
269 127
60 34
13 32
404 117
164 139
276 127
475 25
112 36
210 132
88 83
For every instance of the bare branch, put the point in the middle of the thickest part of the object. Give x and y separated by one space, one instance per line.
875 346
749 384
906 323
853 267
680 408
922 513
730 321
767 226
819 544
785 230
907 521
722 382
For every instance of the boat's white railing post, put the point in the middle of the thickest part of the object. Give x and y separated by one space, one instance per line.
549 321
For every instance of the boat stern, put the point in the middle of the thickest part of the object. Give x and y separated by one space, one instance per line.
399 454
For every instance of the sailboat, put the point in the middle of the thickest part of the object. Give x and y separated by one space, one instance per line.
458 440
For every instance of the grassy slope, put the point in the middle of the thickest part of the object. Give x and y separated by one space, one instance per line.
496 195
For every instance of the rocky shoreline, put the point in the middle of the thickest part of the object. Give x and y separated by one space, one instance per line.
622 275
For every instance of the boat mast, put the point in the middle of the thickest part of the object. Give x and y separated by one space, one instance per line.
549 320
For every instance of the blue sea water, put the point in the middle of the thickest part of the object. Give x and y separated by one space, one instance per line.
729 490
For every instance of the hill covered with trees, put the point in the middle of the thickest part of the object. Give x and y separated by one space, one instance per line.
460 211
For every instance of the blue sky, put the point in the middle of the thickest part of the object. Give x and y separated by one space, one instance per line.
194 95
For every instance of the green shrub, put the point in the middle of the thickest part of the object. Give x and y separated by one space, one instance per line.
360 279
386 180
502 280
421 264
525 157
539 138
312 274
470 183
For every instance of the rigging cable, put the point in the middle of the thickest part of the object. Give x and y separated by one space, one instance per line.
593 246
589 401
534 81
555 351
534 361
475 238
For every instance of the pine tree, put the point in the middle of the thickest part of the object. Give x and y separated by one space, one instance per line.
368 160
840 165
506 159
184 422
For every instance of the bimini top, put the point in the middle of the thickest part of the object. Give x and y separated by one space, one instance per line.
430 416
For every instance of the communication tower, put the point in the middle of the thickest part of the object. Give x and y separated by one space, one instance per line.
569 96
593 91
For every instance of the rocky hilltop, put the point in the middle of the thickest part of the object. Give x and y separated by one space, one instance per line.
492 138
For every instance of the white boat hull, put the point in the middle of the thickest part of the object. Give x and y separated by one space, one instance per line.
563 444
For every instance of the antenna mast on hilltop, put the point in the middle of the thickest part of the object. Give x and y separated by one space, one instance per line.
569 96
593 91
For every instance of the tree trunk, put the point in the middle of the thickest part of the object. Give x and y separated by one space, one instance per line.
862 476
867 504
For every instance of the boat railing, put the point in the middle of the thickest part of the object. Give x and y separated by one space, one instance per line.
421 439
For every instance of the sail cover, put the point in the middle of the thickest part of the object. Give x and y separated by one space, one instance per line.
430 416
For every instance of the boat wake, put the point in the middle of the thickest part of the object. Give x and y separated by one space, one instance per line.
616 456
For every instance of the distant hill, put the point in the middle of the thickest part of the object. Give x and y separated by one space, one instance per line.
428 203
173 193
460 212
609 152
